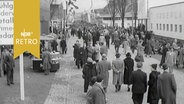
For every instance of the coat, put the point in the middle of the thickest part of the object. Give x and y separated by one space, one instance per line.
9 61
89 70
46 60
76 51
139 81
103 68
170 59
96 95
129 67
152 90
118 70
181 57
148 47
167 88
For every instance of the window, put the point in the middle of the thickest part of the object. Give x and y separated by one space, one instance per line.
160 27
171 27
164 27
157 26
180 28
167 27
175 28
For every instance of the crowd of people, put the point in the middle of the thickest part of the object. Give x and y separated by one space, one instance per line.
91 56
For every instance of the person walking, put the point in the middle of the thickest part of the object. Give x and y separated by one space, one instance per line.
167 86
10 65
129 67
164 50
139 84
46 61
103 68
89 71
118 69
96 95
63 45
170 59
152 90
107 39
103 49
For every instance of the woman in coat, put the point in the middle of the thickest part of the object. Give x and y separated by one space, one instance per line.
129 67
46 61
103 68
153 97
170 59
117 67
89 71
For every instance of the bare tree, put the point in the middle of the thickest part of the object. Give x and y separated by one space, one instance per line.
112 9
121 8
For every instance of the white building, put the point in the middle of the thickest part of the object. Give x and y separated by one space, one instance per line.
167 20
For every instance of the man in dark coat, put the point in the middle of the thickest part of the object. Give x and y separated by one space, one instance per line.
167 86
10 64
54 45
117 44
79 32
96 95
76 53
107 38
129 67
89 71
139 84
152 91
63 46
164 52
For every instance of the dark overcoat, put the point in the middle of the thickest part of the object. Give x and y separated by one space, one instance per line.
96 95
167 88
152 90
129 67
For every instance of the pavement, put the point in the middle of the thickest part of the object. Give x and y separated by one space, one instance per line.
68 85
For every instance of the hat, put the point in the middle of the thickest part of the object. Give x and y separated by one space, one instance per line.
89 59
93 80
128 54
154 66
139 64
99 79
165 66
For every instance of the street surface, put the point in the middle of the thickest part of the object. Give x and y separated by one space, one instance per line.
67 87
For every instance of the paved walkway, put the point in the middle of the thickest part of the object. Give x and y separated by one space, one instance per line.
67 87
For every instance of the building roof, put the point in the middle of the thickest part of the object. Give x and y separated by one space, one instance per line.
167 5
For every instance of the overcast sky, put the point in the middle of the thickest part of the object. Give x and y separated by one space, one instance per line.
86 4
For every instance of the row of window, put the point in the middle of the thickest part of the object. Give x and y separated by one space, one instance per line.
168 27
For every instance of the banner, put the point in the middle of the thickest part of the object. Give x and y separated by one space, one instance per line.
27 27
6 22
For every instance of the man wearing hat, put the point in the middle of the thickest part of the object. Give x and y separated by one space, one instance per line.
118 69
96 95
167 86
89 71
152 91
139 84
103 68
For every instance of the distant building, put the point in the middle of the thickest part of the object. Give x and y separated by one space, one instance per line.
167 20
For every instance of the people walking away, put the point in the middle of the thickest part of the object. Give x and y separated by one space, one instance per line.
129 67
10 65
46 61
118 69
139 84
167 86
103 68
152 90
89 70
96 95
